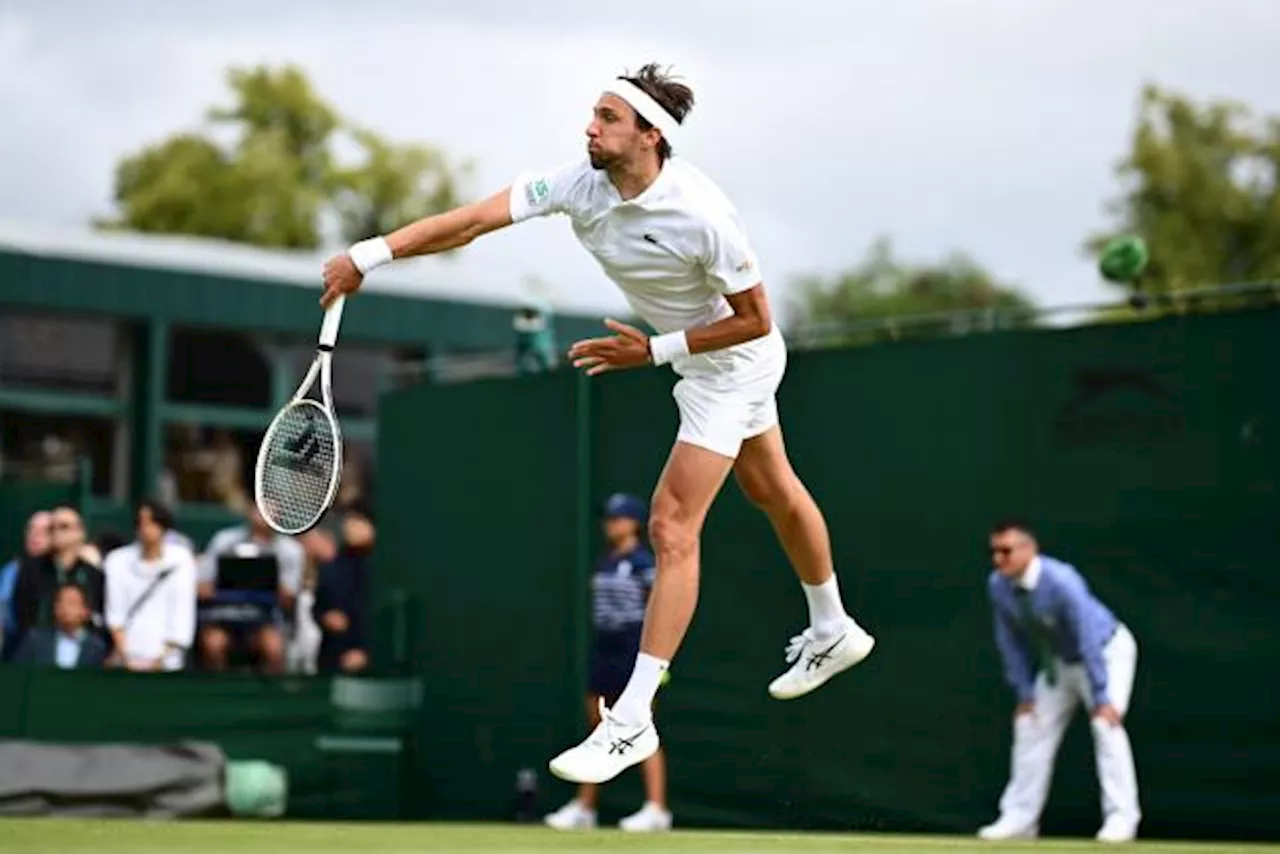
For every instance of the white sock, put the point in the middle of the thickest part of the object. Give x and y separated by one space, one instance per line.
826 611
635 706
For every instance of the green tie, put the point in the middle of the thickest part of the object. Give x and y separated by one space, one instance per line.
1047 662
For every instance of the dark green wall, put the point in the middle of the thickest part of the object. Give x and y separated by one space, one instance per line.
291 722
77 285
1146 453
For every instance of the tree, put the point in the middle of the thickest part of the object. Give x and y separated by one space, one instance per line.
276 180
873 300
1199 184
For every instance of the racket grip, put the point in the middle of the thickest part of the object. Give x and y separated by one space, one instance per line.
332 319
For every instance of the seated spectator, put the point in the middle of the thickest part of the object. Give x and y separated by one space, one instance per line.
39 578
229 622
67 644
304 647
35 545
151 596
342 597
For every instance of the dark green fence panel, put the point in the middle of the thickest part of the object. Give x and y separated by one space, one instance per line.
1147 454
477 525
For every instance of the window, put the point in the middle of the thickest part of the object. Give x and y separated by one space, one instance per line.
218 367
209 465
61 353
49 447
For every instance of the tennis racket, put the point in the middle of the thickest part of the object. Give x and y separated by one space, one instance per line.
300 458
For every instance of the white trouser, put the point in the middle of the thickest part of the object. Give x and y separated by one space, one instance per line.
1036 737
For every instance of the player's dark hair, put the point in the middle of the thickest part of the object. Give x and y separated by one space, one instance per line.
674 97
160 514
1012 523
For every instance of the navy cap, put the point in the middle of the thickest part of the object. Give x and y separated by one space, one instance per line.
621 505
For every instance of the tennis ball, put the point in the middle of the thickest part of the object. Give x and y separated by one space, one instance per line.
665 678
1123 258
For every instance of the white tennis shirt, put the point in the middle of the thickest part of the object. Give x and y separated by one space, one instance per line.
676 250
168 615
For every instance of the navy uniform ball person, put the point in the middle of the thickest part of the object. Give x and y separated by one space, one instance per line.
620 590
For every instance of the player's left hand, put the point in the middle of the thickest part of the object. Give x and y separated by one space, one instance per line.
1108 713
628 349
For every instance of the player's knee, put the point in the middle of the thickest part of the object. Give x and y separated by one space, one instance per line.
672 538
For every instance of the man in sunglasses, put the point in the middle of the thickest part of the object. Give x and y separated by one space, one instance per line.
1061 647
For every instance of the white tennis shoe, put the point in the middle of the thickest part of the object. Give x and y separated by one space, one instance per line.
612 748
572 816
816 659
651 818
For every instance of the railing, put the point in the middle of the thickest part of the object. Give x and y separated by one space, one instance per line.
1244 296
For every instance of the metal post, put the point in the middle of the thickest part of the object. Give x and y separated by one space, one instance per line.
582 566
151 367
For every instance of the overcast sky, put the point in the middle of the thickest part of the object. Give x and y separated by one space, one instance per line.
990 126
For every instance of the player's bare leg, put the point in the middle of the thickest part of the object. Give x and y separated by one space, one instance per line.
834 641
686 489
767 480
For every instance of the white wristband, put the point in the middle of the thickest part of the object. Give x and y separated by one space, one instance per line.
371 253
669 347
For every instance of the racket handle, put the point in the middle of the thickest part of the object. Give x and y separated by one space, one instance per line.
332 319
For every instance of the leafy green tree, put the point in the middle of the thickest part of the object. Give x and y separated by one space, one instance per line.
1199 185
874 299
264 171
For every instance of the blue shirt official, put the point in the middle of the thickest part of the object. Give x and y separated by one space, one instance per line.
1050 605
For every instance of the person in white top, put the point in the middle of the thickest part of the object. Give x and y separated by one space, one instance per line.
667 236
151 596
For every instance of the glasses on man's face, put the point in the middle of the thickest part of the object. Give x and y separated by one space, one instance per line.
1002 551
63 526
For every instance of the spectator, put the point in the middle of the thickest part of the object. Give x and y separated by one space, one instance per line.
1061 647
40 577
304 647
620 594
342 596
151 596
68 644
254 629
35 545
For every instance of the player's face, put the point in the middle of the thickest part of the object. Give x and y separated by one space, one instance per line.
613 137
1011 552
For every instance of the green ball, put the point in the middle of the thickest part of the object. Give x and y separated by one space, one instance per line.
1123 258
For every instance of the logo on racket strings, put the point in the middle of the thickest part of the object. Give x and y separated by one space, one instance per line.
304 452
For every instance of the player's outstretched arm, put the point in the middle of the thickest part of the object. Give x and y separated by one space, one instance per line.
344 272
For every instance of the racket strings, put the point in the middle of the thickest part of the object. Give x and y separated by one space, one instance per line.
300 461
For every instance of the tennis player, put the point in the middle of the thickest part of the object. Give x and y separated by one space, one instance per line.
676 247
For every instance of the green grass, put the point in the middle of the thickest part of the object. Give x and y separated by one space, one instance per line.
69 836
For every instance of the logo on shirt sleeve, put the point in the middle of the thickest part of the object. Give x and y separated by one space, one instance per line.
537 191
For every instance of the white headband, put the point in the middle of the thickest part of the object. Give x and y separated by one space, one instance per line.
643 103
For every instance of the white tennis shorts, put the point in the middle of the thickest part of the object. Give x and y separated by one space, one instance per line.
720 416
